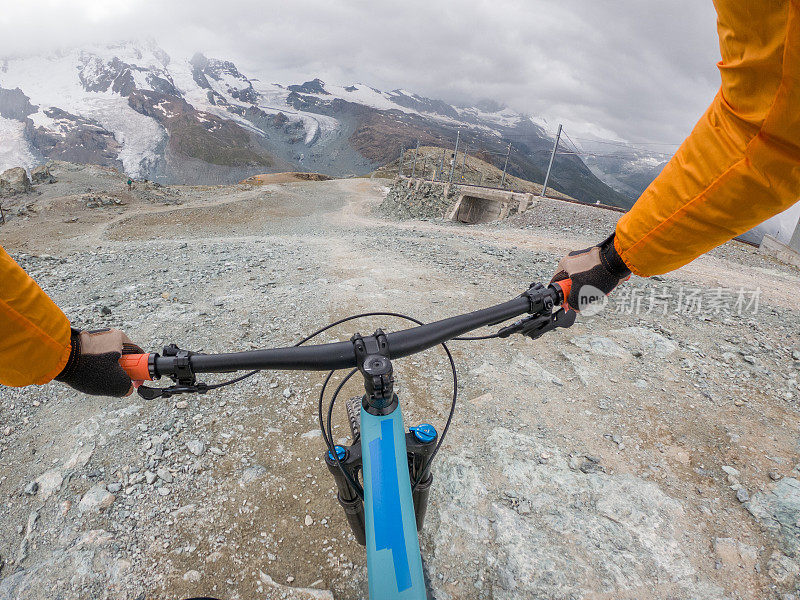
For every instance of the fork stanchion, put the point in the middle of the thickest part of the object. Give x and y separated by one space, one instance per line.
420 443
350 501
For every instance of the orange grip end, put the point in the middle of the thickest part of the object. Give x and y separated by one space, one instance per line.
137 366
566 287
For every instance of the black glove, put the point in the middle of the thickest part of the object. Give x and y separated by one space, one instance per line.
93 365
594 272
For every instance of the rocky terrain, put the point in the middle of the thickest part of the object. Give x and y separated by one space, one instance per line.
433 163
427 201
650 451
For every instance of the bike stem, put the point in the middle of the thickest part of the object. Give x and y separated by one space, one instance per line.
372 361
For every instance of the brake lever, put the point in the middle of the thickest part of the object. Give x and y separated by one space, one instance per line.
535 326
151 393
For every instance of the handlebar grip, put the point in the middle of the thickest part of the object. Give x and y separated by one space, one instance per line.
565 286
137 366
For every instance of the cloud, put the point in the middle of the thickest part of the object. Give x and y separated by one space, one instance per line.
642 71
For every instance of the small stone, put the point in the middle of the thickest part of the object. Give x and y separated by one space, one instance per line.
163 490
164 475
32 488
289 579
749 359
796 354
105 310
287 393
98 498
149 477
774 475
196 447
182 404
733 472
742 495
191 576
114 487
251 474
309 521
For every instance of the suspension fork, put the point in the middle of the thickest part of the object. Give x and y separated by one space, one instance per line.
420 442
352 504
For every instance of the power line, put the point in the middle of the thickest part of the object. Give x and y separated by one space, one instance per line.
625 144
574 145
596 155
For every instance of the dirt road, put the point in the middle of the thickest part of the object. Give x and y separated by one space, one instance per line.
585 465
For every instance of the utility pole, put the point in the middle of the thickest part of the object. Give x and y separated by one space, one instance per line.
424 167
414 168
505 166
455 155
402 156
464 162
441 164
550 166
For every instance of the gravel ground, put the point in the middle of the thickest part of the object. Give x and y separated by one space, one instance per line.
640 454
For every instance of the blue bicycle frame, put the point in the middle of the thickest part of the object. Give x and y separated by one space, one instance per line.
394 564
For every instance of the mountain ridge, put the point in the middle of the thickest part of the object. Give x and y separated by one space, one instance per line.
200 119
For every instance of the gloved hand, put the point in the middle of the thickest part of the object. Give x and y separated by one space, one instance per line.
93 366
595 272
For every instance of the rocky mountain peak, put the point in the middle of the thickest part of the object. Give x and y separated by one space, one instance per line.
315 86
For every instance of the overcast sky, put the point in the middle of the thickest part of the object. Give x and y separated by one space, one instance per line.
634 69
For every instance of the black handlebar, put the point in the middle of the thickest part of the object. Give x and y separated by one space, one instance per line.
341 355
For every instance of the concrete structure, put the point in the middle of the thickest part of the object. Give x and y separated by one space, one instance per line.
478 204
481 205
795 241
786 253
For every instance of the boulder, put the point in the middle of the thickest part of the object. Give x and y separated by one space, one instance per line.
42 174
777 508
14 181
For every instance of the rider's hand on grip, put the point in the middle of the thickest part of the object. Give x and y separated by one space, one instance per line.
93 366
594 272
137 366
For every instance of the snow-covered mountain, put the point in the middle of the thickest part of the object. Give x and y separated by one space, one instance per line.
627 168
198 119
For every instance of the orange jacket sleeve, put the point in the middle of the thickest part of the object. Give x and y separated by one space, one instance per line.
34 333
741 163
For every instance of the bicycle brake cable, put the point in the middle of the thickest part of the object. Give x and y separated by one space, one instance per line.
327 433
